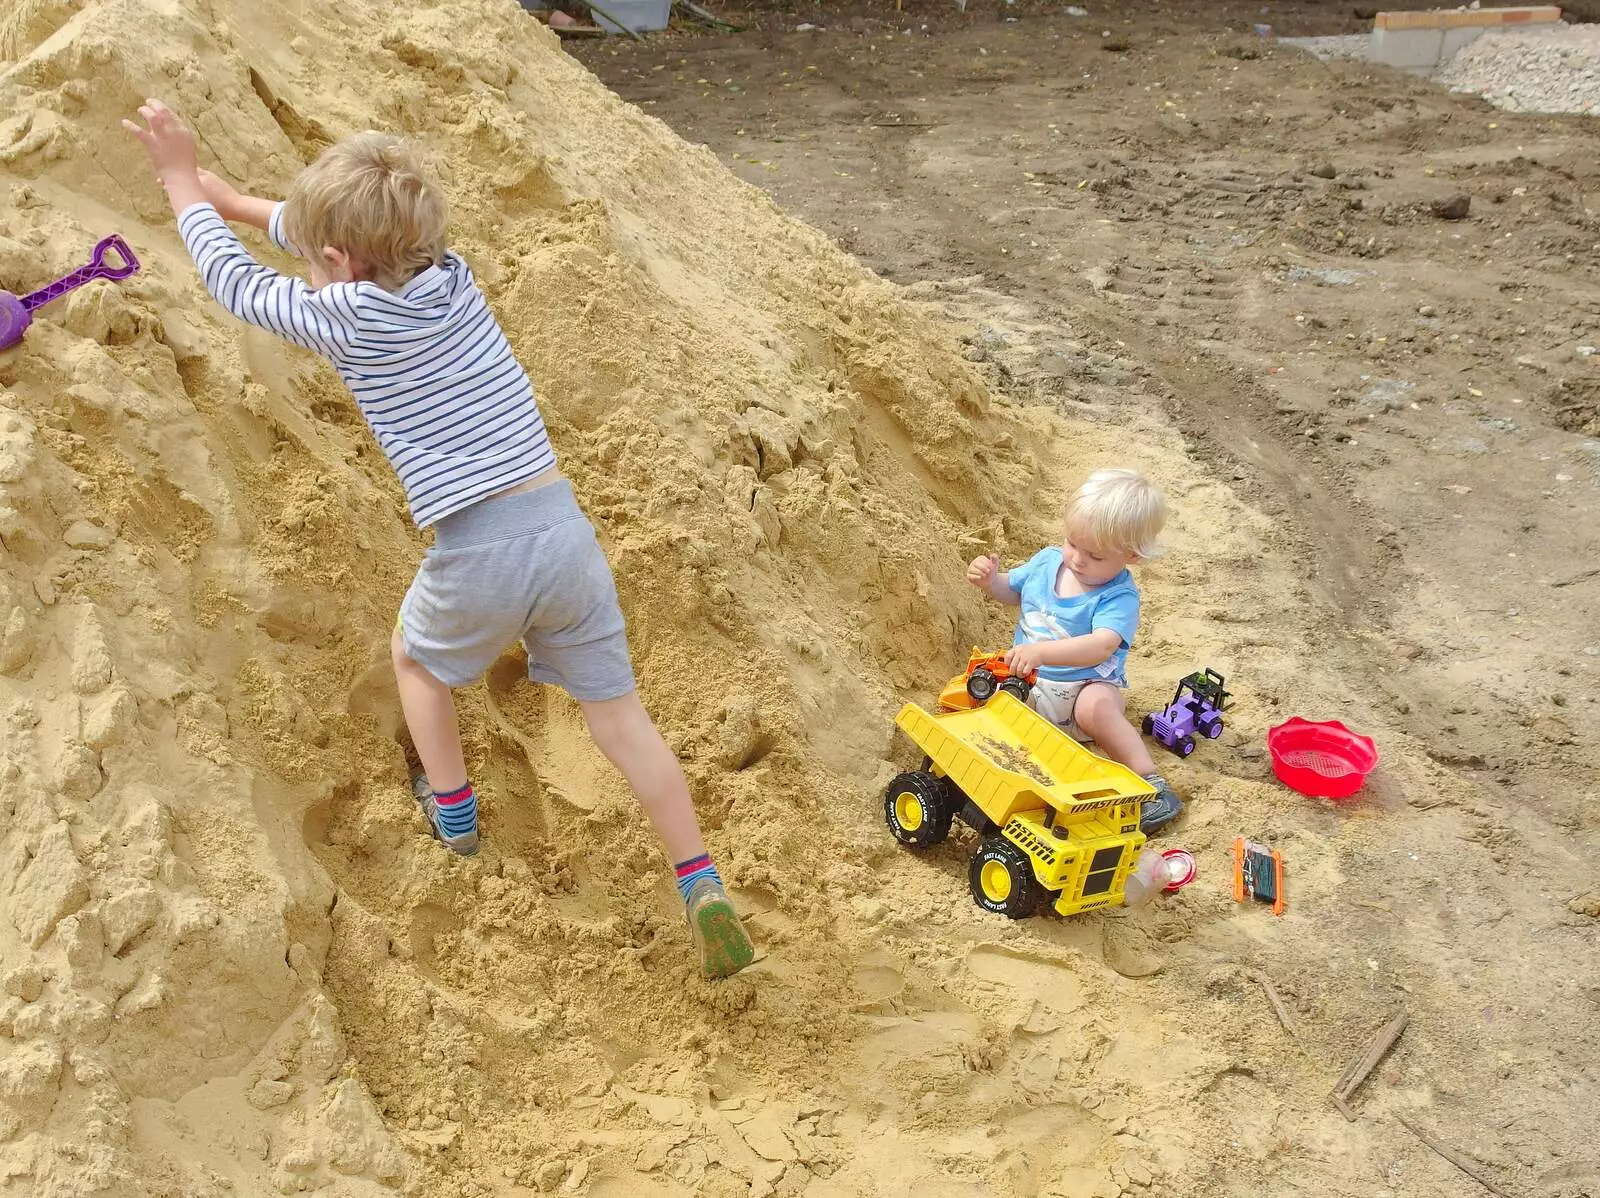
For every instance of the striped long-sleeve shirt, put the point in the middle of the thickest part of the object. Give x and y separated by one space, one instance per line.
450 405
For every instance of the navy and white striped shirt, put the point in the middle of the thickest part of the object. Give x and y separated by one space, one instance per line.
449 403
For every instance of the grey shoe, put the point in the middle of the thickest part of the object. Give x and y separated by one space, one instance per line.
723 943
1157 813
465 846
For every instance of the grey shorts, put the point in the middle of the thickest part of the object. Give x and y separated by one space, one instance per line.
519 567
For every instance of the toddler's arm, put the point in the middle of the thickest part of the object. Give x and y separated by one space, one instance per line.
985 574
1074 651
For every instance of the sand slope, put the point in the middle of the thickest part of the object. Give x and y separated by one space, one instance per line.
232 962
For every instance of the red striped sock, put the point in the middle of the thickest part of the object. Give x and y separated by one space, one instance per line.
691 871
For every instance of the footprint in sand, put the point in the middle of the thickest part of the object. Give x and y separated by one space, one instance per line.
549 729
1050 984
1127 947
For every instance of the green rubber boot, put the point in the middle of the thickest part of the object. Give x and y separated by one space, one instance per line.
724 945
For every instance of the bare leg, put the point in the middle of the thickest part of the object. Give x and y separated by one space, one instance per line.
431 719
1099 712
626 735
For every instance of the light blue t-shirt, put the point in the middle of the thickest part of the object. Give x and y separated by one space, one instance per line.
1047 616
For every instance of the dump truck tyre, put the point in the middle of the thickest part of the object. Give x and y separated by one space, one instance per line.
918 809
1002 879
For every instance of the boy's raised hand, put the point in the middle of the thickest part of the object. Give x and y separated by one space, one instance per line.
169 144
981 570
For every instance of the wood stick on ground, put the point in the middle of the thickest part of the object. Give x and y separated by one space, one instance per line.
1274 998
1364 1064
1451 1155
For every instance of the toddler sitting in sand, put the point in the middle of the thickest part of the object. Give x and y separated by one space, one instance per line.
513 558
1080 609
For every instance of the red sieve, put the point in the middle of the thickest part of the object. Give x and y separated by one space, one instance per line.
1323 759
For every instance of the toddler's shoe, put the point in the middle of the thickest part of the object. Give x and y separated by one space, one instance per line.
724 945
465 845
1157 813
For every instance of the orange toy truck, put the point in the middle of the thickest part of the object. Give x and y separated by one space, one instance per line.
986 676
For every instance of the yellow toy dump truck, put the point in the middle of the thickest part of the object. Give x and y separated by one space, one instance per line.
1057 822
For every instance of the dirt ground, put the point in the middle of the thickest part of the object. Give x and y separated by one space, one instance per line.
1182 230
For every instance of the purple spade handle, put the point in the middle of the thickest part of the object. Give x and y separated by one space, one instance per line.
97 269
17 314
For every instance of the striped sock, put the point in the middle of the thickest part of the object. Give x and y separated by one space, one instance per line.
458 811
691 871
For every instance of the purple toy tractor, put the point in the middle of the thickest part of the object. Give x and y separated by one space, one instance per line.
1195 710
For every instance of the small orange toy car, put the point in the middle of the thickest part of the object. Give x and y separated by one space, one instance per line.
986 676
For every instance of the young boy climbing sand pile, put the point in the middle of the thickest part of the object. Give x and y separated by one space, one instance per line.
1080 609
514 558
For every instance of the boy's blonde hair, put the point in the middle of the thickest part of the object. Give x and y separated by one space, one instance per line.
368 196
1118 510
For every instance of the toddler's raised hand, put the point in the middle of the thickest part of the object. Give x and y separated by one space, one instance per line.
981 570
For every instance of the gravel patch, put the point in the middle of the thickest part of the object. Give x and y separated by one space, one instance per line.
1344 46
1556 70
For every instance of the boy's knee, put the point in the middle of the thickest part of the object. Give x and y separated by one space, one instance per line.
404 663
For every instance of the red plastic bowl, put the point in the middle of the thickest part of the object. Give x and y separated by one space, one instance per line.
1325 760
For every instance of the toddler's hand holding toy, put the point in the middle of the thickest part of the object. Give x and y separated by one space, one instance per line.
1026 658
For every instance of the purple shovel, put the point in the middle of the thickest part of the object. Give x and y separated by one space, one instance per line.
17 314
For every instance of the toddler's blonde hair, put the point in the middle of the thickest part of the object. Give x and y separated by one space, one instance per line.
1118 510
368 196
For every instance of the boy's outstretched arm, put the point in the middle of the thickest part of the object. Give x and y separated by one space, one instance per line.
233 205
324 322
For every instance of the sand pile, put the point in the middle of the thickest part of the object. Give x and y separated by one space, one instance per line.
233 963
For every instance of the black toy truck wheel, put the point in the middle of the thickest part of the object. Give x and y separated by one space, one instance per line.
982 684
918 808
1149 725
1211 729
1017 688
1185 746
1002 879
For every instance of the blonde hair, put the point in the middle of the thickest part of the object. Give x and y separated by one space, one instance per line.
367 196
1119 510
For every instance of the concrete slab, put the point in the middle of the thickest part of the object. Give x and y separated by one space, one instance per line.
1462 36
1420 41
1407 49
